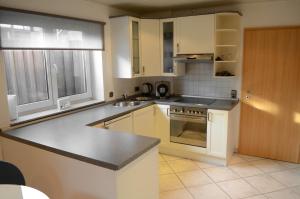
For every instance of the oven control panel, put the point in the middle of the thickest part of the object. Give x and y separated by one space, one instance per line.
194 111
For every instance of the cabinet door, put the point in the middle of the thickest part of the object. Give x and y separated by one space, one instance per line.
121 124
150 50
162 123
167 46
135 45
217 127
143 122
195 34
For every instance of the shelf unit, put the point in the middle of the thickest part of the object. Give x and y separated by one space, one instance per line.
227 44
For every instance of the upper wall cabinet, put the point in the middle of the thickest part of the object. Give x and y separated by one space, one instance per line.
150 49
126 45
195 34
167 47
135 47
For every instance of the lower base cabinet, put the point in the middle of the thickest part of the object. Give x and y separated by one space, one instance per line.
217 129
162 123
154 121
143 122
122 124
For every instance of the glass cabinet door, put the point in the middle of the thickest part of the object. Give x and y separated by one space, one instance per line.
168 46
135 48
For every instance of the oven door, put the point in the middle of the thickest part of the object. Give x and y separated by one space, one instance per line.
188 130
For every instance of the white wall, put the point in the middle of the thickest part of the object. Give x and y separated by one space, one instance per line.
81 9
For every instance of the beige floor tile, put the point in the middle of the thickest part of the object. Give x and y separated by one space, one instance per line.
219 174
250 158
161 159
264 183
288 164
289 177
181 165
267 165
257 197
164 168
205 165
235 159
210 191
176 194
169 182
170 157
194 178
238 189
245 169
292 193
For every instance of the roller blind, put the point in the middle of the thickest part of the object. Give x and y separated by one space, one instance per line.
22 30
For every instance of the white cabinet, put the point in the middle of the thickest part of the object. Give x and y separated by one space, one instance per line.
195 34
150 49
217 133
125 44
162 123
143 122
167 49
121 124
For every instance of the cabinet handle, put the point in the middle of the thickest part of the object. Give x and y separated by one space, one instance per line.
143 70
209 116
177 47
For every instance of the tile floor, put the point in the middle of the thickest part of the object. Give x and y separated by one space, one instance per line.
245 177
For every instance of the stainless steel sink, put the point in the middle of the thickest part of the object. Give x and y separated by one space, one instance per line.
127 103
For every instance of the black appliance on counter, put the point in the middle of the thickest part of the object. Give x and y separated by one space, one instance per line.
162 89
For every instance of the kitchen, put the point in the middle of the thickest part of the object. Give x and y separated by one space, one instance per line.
151 80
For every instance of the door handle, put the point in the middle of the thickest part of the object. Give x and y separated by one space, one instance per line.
209 116
248 95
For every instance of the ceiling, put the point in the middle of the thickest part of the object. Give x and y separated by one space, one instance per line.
140 6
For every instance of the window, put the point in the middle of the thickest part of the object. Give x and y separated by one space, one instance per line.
49 57
38 78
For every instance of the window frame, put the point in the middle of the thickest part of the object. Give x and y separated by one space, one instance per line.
52 86
76 97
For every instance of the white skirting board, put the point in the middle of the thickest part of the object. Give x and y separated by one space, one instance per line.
61 177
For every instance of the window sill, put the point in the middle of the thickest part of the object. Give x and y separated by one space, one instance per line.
44 115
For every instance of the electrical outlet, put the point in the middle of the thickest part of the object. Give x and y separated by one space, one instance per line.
111 94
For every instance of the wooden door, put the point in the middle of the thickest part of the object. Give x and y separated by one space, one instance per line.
270 111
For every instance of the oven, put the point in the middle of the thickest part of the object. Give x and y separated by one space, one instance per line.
188 125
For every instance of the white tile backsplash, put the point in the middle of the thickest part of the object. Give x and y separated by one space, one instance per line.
199 81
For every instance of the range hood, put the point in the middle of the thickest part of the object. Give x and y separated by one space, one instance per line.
194 58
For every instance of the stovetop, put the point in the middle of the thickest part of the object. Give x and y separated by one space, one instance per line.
196 101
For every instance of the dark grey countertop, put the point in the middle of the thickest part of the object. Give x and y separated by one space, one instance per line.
218 104
69 136
72 136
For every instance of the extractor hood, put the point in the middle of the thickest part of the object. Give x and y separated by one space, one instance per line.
194 58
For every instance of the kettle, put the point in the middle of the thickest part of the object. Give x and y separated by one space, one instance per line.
147 89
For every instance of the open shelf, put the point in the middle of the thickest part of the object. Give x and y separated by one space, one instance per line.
227 21
227 44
